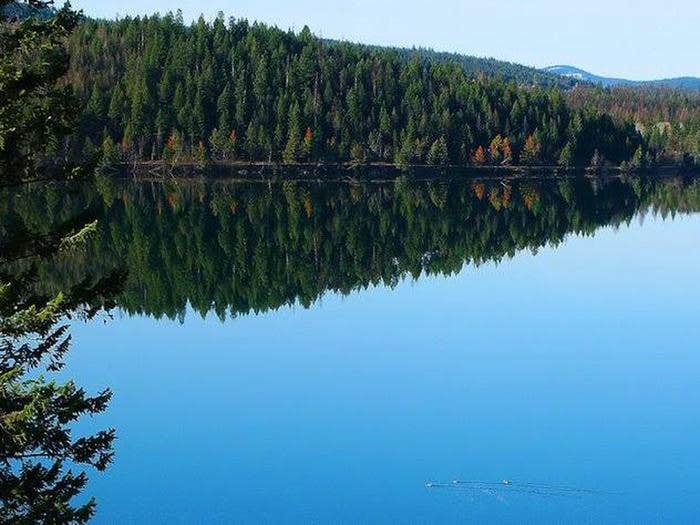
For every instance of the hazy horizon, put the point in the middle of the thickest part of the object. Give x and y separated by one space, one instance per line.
633 40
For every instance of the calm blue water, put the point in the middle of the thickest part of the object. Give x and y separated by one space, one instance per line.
575 367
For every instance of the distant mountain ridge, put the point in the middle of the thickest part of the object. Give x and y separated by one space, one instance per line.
690 83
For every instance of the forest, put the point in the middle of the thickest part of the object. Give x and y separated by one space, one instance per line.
154 88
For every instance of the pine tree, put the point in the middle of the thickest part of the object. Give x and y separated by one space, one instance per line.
406 153
566 158
40 453
308 143
223 108
117 105
218 142
200 155
495 149
36 107
251 141
95 104
292 149
438 154
110 154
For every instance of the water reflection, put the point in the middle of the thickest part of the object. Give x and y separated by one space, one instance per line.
235 248
155 247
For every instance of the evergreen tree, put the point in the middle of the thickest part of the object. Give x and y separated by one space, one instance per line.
219 144
292 149
37 414
566 158
495 149
110 154
36 108
438 154
200 154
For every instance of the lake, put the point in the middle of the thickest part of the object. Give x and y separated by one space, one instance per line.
404 352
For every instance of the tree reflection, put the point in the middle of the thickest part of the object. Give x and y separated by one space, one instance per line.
234 248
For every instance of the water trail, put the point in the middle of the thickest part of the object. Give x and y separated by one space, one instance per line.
500 488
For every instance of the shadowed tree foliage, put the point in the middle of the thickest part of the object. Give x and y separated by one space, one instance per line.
36 441
38 451
36 108
37 447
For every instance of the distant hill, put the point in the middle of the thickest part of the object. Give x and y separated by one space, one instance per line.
690 83
474 65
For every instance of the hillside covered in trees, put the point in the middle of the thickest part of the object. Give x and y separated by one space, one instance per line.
155 88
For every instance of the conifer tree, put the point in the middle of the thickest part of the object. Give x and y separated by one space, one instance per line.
292 149
438 154
566 158
495 153
36 108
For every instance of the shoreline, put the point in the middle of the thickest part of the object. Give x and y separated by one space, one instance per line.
356 173
379 172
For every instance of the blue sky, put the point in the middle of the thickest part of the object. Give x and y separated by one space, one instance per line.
638 39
